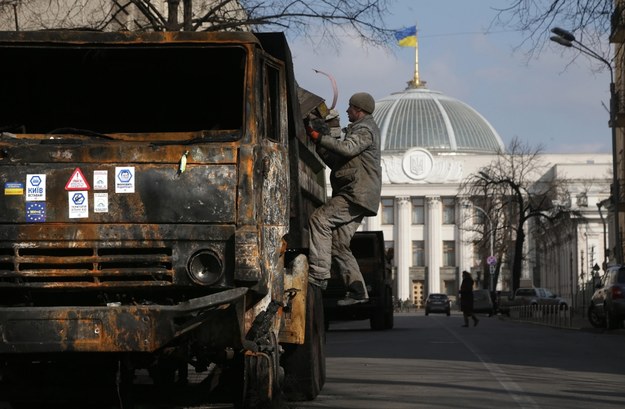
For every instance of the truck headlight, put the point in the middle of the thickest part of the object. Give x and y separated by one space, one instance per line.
205 267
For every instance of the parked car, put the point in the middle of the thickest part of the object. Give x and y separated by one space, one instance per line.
437 302
482 302
607 306
532 296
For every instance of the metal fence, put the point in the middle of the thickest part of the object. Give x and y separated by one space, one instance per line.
551 315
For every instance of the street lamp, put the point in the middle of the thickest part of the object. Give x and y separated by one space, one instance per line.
567 39
492 245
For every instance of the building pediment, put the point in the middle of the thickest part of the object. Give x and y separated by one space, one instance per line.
418 165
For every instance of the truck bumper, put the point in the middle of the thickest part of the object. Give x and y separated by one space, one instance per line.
136 328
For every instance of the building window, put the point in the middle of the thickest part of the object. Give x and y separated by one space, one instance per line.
449 210
418 253
388 210
418 210
449 253
478 217
389 250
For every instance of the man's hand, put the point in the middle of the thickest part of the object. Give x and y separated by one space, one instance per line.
312 134
316 128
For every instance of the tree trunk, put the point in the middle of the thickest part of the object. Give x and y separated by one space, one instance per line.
517 263
172 15
187 10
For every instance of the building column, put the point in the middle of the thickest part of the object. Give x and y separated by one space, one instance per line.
373 223
434 246
403 247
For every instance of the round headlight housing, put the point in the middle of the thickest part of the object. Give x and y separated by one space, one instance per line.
205 267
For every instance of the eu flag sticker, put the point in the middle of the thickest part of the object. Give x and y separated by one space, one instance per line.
35 212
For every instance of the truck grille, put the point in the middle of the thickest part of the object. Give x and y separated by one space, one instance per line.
41 266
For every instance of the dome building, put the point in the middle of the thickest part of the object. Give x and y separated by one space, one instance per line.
433 121
430 143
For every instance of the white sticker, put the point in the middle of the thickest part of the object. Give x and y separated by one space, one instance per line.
78 204
100 180
125 179
35 188
100 202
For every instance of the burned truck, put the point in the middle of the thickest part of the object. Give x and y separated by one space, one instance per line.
375 266
157 188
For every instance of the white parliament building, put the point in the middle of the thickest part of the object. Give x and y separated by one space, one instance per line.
430 143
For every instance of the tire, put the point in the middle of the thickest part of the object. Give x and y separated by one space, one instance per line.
389 317
382 319
377 320
304 365
427 312
595 320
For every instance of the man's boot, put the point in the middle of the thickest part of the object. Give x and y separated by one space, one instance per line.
357 294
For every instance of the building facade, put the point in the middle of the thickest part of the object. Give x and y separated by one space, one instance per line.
430 144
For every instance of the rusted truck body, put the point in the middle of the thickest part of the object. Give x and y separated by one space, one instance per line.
156 192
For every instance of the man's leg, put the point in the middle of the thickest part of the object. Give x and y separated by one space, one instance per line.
346 262
325 219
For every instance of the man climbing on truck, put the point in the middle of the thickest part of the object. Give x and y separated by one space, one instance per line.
355 177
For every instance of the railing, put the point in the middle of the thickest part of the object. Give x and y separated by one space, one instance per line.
551 315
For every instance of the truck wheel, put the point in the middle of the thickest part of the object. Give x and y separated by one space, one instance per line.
377 320
389 319
389 313
304 365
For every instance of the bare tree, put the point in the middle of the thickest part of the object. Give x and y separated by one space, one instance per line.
589 20
365 18
514 190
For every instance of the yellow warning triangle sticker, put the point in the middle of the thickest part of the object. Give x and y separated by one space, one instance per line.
77 181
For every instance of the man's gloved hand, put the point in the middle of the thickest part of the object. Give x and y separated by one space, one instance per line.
316 128
312 134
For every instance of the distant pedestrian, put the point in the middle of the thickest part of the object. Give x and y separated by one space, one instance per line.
466 299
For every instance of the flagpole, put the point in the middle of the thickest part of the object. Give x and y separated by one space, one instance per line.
416 81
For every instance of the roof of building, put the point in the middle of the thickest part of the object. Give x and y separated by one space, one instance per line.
419 117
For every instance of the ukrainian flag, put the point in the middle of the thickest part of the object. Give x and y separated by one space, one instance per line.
407 37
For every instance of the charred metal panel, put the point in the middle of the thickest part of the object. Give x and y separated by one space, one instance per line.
106 256
116 328
165 149
202 194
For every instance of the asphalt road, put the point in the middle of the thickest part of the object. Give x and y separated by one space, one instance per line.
433 362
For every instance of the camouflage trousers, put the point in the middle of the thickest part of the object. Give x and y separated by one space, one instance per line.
332 227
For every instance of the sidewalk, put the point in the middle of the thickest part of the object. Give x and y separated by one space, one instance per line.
569 319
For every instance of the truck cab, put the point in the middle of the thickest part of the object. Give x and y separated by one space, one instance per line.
156 192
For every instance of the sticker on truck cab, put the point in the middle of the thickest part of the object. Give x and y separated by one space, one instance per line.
125 179
35 212
13 189
35 188
77 181
100 180
78 204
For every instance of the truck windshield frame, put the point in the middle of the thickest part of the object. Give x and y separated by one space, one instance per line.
139 93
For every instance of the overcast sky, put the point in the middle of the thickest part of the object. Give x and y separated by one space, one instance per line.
546 101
